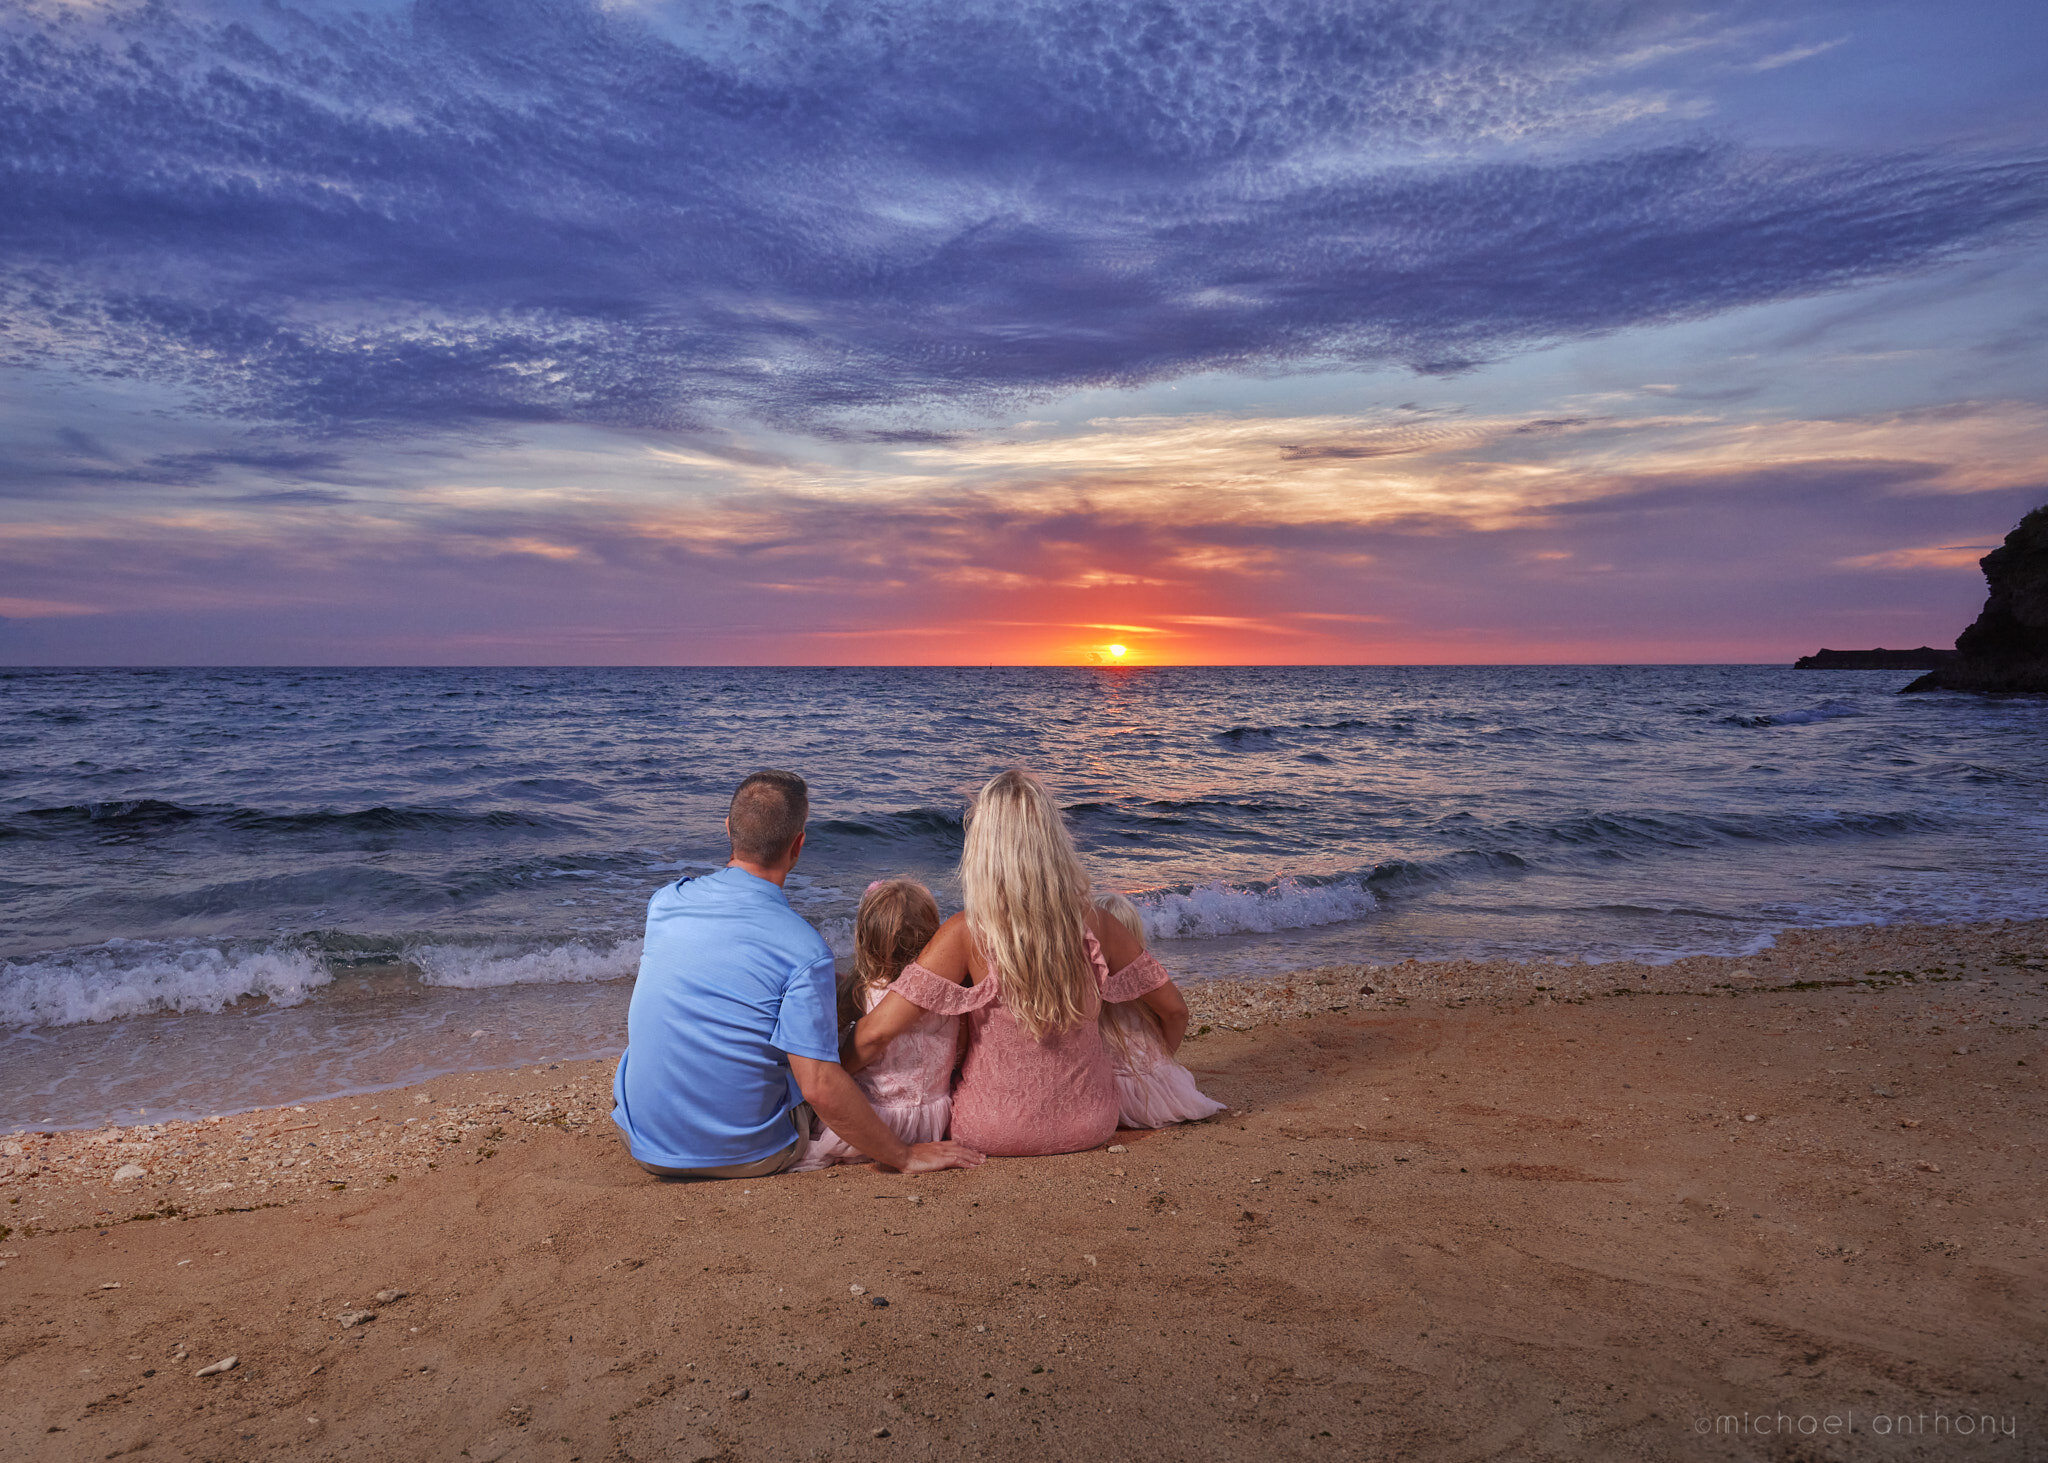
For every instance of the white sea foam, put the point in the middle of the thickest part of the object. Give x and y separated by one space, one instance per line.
482 967
136 977
1224 909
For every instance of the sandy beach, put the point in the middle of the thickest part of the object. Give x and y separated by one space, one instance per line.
1787 1206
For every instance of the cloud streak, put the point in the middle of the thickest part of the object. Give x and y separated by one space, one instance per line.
1710 539
539 211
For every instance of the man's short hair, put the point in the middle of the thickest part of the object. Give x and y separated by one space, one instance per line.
768 812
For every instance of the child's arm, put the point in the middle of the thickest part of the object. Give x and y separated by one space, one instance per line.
1119 948
891 1017
1171 1008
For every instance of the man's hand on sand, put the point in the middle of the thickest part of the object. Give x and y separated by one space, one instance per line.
931 1157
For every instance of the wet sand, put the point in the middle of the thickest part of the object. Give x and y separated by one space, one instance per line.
1455 1216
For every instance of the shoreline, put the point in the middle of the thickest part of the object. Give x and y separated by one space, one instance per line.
1463 1221
365 1142
1851 953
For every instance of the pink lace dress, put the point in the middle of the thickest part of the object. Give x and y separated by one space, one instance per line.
1152 1089
1017 1097
909 1086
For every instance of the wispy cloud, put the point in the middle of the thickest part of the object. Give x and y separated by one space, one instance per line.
1493 543
650 216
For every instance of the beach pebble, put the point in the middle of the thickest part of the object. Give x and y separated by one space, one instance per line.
225 1364
856 1290
880 1432
355 1318
1118 1148
1909 1122
1880 1090
1926 1167
917 1198
111 1285
129 1172
877 1301
385 1297
737 1394
1749 1117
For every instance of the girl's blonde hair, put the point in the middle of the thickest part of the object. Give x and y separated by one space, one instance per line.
1026 897
1119 908
1116 1017
896 920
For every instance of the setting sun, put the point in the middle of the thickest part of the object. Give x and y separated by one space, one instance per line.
1116 652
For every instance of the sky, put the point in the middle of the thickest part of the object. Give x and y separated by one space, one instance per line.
1006 332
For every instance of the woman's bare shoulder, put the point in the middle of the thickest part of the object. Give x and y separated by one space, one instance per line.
946 953
1119 946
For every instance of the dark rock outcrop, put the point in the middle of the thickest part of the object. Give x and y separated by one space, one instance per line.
2007 648
1926 658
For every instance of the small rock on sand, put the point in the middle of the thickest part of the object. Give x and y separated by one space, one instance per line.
1118 1148
355 1318
225 1364
856 1290
128 1173
737 1394
385 1297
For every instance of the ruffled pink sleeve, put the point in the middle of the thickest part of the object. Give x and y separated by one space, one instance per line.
1141 975
935 993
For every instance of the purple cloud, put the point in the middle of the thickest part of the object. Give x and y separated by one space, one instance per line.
540 211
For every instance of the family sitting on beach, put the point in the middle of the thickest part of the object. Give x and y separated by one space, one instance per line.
1032 1022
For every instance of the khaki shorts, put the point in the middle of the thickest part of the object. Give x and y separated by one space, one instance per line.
800 1116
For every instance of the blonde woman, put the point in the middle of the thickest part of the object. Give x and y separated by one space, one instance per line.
1029 963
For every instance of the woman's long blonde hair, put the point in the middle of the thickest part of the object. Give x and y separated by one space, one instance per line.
1027 902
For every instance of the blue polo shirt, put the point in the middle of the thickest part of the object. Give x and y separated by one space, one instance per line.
732 983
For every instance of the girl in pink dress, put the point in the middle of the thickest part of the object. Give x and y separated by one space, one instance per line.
910 1085
1029 963
1152 1089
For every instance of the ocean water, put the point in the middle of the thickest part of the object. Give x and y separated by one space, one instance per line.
220 888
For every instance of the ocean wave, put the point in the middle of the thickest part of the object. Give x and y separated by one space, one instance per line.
1618 833
1805 716
143 815
137 977
383 819
910 823
486 967
1232 909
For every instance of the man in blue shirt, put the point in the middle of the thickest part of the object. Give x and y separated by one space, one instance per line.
732 1037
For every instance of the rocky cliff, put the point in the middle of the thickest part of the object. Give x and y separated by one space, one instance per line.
1926 658
2007 648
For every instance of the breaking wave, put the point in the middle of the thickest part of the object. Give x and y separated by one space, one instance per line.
137 977
1230 909
484 967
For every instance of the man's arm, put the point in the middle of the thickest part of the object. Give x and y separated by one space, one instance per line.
845 1108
